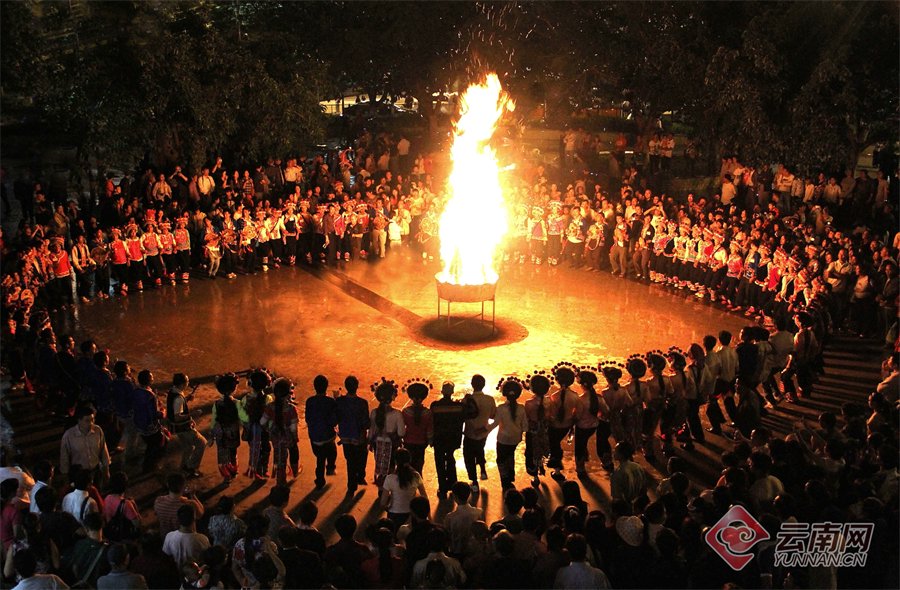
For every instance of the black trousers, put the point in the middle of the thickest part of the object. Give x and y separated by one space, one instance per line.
693 420
604 450
156 445
326 455
445 466
417 456
473 453
556 437
356 455
506 464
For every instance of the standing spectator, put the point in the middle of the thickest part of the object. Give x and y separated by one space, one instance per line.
84 445
353 425
119 578
78 502
480 409
321 419
166 507
87 560
146 420
185 544
43 475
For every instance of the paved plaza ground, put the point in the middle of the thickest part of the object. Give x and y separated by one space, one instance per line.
375 319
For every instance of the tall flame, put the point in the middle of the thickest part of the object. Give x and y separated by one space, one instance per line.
474 219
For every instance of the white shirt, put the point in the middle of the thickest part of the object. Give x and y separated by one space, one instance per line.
400 496
41 582
183 547
38 485
476 428
510 429
580 575
393 423
75 501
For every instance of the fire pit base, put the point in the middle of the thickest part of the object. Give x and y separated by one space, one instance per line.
451 293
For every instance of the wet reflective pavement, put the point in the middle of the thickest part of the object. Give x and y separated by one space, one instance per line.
375 319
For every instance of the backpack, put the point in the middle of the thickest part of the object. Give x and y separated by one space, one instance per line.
120 528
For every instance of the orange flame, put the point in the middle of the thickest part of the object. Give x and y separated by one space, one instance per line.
474 220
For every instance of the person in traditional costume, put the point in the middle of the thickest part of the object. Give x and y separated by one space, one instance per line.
225 428
537 235
619 403
512 422
280 419
251 409
587 420
563 408
537 439
556 227
418 421
388 428
183 248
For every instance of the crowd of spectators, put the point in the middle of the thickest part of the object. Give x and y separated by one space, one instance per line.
801 259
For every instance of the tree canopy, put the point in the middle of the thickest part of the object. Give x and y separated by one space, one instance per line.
803 82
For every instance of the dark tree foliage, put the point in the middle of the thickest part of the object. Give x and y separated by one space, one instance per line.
169 79
802 82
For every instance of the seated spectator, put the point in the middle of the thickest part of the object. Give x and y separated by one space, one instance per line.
303 568
578 574
385 569
309 537
505 570
629 480
119 578
185 544
458 523
343 559
252 545
454 576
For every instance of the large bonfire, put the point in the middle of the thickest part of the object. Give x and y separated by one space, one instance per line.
474 220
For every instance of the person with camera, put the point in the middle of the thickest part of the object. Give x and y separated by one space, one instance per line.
181 422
